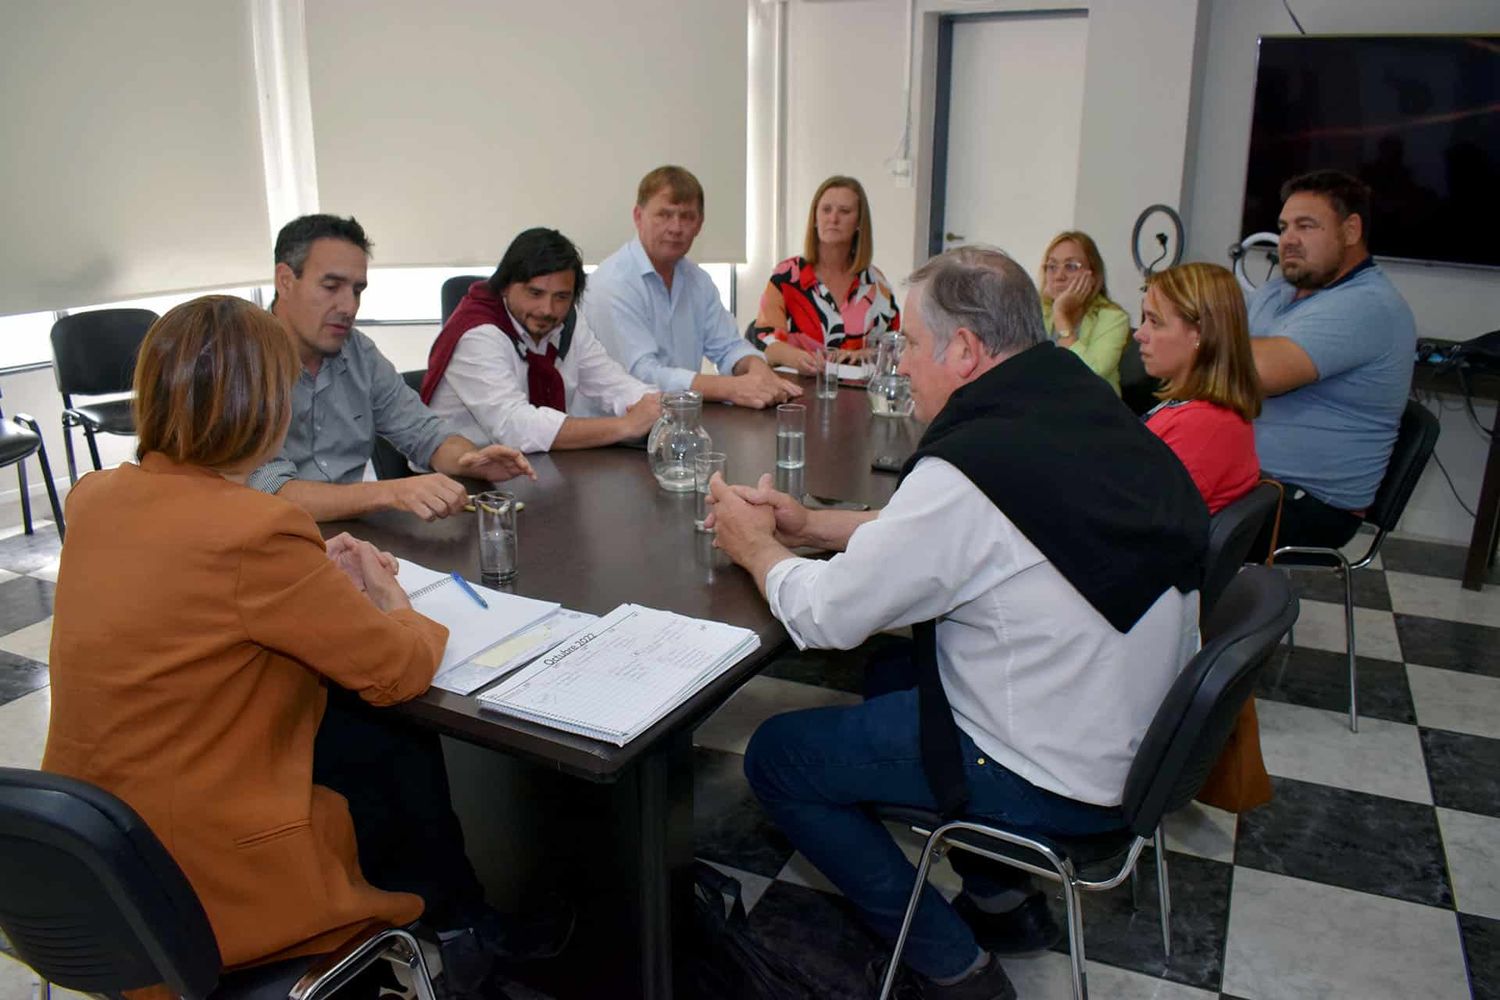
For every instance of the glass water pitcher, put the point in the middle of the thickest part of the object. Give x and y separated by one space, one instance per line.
890 392
676 439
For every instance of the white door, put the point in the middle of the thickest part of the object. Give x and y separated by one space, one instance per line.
1015 111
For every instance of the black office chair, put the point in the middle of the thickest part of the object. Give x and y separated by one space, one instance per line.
1231 532
20 438
92 901
454 289
93 354
388 462
1174 759
1414 444
1137 388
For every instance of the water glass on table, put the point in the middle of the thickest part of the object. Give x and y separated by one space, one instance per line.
828 374
705 464
791 436
497 537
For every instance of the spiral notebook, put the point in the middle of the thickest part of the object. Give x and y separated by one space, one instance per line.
615 678
471 628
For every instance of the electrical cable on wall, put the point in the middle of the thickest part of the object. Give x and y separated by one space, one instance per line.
1426 400
1293 16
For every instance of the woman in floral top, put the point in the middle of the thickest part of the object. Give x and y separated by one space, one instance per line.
831 297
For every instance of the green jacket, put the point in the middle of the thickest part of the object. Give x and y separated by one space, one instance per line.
1102 335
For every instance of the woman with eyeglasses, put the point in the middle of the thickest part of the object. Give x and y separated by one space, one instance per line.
1076 307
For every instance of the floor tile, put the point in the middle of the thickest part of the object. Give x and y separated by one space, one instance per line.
7 575
1465 771
1321 626
1290 939
1406 555
1436 597
1474 649
820 935
1310 744
21 553
731 727
942 877
1472 844
34 642
1482 949
1350 839
1202 831
1319 678
24 601
47 572
1117 933
17 982
729 826
19 675
1327 586
752 886
1449 699
23 729
1050 977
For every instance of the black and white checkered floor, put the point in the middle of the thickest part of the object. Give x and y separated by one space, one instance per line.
1375 872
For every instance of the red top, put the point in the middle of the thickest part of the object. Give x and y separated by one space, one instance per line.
1216 444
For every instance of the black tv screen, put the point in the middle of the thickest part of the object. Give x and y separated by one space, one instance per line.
1416 117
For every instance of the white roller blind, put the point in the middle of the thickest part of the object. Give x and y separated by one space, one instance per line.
132 159
447 127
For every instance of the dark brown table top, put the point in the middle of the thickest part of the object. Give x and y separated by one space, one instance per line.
598 532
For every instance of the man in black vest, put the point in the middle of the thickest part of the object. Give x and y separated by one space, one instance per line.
1045 548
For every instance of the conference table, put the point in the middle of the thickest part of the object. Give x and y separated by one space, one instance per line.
615 824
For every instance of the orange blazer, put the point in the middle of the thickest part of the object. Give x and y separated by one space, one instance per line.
196 621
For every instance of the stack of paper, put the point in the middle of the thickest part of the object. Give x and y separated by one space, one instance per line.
471 629
613 679
513 653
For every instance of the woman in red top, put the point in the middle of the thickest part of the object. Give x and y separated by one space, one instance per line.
1195 337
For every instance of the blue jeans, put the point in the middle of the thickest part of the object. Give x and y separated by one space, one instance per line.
813 770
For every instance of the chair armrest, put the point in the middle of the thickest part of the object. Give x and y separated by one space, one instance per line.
350 957
28 421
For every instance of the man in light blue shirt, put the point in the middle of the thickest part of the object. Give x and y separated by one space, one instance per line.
659 314
1334 344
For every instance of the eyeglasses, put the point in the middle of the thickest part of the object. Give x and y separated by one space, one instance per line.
1071 267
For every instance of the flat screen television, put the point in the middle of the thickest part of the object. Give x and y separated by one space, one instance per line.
1417 117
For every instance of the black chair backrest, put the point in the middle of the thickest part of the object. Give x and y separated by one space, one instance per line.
1137 388
1231 532
94 352
388 462
1414 443
454 289
1200 709
90 899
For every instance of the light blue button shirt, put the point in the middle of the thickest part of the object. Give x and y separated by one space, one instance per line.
1333 437
661 336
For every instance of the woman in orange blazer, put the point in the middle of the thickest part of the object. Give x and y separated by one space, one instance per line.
196 621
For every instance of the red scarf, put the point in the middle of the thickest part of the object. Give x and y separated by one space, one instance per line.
481 307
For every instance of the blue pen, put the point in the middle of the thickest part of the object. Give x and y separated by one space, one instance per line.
470 591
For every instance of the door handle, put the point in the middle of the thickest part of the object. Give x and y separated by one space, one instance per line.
954 236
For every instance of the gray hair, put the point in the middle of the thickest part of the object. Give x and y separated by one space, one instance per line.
984 290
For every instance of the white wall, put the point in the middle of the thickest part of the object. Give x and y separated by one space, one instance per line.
844 115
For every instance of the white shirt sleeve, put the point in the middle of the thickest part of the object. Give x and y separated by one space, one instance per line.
490 380
601 377
938 544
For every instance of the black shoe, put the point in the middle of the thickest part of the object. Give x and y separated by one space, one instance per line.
988 983
527 937
1025 930
467 966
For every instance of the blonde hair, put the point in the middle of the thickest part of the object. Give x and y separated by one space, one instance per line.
213 383
1090 253
1223 370
679 182
862 248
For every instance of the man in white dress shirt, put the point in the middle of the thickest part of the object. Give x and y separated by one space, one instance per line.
660 315
516 363
1046 551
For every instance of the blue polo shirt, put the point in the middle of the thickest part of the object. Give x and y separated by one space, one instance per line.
1333 437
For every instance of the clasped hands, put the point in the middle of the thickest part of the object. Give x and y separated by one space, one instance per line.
744 518
372 571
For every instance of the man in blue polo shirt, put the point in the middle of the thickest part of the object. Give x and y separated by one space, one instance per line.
1334 344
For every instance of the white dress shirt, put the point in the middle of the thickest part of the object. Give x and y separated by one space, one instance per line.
662 336
1041 682
484 392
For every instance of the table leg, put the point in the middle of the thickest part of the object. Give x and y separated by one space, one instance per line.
664 865
1487 517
